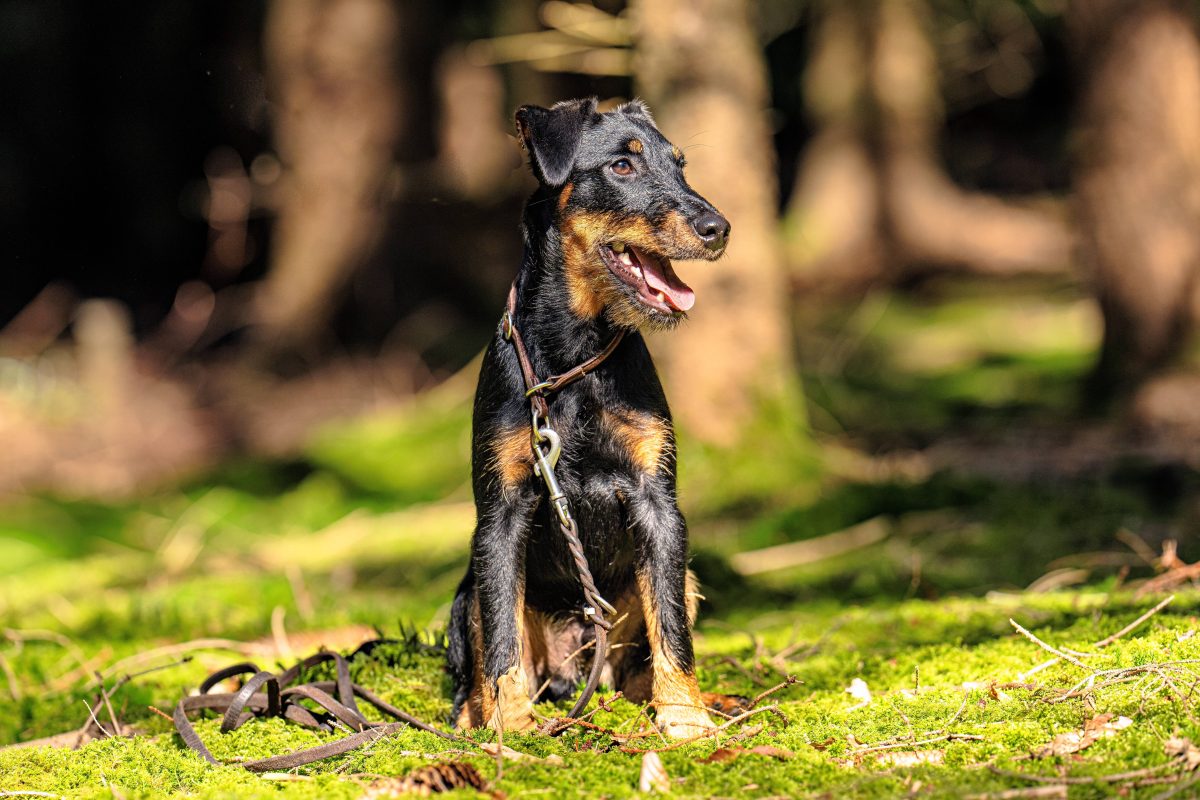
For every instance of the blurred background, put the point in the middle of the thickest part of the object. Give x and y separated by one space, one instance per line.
253 248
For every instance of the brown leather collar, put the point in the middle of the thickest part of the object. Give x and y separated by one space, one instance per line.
535 389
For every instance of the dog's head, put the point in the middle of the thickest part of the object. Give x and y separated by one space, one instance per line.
624 210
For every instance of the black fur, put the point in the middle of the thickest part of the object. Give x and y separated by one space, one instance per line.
627 516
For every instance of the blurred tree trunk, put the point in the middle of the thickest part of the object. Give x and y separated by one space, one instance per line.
1137 180
331 66
709 95
872 200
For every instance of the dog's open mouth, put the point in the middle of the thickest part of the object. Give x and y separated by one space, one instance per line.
656 284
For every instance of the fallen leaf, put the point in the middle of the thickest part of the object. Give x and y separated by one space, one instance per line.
1098 727
424 781
910 758
824 745
1182 749
859 691
730 753
654 776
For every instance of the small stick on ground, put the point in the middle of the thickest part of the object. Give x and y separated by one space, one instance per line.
137 659
1118 777
161 713
1048 648
557 725
1105 642
707 734
1058 790
129 676
945 737
104 693
1176 789
790 680
94 721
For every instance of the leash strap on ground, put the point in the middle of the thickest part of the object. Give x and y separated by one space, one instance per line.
536 390
266 694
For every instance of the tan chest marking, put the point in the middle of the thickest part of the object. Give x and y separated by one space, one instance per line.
646 438
512 456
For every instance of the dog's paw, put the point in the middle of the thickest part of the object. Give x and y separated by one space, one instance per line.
514 708
681 722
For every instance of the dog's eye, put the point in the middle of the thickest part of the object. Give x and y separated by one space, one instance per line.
622 166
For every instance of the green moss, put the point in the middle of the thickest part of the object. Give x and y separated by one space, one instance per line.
954 649
371 529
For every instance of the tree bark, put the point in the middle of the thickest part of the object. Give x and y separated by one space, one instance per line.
872 201
709 95
1137 182
331 66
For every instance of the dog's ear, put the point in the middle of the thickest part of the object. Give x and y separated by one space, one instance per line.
636 108
551 137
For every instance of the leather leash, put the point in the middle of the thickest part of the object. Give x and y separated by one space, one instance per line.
281 699
546 448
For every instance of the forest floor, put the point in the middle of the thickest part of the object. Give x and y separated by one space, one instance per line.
898 622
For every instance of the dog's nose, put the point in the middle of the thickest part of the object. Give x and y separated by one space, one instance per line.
712 228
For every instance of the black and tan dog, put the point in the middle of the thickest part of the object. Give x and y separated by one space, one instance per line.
610 214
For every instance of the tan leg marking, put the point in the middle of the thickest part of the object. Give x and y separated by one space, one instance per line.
646 438
507 701
629 631
512 457
679 709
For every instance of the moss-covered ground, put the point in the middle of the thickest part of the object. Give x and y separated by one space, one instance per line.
366 535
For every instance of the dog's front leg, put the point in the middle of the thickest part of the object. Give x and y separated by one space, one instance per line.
663 585
498 561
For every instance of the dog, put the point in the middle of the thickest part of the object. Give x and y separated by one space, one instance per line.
611 212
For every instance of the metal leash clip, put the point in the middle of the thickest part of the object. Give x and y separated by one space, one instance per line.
589 612
547 447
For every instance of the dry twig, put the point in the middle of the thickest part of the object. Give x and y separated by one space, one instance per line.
1063 656
1105 642
705 735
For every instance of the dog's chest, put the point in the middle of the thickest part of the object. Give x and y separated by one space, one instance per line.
607 438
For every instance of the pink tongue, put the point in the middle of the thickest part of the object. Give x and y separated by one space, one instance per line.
661 278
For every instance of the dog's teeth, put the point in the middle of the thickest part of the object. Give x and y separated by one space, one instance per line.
662 298
618 247
638 272
626 259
